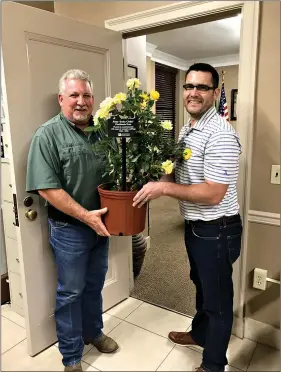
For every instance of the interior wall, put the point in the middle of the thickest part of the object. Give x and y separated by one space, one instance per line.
136 55
44 5
264 240
96 12
230 82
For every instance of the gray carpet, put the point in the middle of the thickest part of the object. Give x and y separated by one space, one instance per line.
164 278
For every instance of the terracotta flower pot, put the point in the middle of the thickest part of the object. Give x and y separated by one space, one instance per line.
122 219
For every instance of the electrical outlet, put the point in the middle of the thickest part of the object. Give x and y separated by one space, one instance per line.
275 174
260 277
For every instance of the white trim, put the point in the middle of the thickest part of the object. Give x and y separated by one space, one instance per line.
246 85
150 48
182 64
264 218
262 333
238 327
179 11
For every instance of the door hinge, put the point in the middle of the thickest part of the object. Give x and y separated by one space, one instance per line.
15 209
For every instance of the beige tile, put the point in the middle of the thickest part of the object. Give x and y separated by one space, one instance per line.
17 359
11 334
185 359
181 359
8 313
109 322
158 320
125 308
87 367
139 350
239 352
265 359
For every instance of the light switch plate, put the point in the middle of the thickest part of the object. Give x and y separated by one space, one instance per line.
275 174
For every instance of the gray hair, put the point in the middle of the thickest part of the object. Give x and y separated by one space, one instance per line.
74 74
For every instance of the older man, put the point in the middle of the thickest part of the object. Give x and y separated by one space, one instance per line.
205 185
64 170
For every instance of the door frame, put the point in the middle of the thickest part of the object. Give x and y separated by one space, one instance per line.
248 55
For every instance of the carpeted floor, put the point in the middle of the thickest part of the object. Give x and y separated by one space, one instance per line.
164 278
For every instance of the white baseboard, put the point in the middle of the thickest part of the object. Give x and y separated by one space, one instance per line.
237 328
262 333
147 242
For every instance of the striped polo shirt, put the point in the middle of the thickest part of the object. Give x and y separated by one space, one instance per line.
215 149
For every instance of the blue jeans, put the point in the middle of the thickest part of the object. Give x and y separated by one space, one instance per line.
82 262
212 249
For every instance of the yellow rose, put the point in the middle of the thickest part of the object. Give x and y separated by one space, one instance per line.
143 105
154 95
133 83
119 97
187 154
167 166
144 96
167 125
102 113
106 106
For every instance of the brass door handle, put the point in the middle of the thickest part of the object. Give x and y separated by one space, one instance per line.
31 214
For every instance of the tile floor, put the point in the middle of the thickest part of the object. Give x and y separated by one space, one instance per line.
141 330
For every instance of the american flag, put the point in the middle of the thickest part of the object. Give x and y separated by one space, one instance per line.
223 110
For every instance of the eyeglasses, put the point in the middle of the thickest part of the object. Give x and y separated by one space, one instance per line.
199 87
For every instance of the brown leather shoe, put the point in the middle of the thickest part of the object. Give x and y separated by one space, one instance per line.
181 338
74 368
104 344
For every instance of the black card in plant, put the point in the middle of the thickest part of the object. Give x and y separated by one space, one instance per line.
122 127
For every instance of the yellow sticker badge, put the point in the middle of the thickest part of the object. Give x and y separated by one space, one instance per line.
187 154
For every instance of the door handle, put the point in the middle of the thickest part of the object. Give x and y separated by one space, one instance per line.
31 214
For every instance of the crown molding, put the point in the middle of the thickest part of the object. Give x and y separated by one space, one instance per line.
181 64
178 11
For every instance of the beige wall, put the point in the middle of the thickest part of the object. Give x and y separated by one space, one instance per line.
96 12
44 5
230 82
264 240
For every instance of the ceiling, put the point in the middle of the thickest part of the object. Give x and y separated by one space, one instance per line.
206 40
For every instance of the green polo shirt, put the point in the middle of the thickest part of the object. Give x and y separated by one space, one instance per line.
61 156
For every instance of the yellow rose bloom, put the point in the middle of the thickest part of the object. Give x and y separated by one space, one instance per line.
187 154
133 83
102 113
154 95
167 166
144 96
119 98
143 105
167 125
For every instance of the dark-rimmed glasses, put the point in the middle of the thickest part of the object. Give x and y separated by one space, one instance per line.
199 87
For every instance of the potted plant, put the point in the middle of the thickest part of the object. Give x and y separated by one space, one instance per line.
134 150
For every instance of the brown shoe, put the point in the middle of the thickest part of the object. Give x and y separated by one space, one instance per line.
104 344
74 368
181 338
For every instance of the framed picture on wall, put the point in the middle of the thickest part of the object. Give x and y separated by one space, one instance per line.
132 71
233 116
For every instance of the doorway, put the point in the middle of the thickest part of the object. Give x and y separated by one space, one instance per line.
164 280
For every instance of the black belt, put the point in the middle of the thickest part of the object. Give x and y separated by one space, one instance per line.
59 216
225 220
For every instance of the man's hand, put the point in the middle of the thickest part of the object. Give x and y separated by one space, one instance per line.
93 219
150 191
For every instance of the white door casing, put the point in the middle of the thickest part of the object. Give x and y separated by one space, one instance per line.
37 48
185 10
